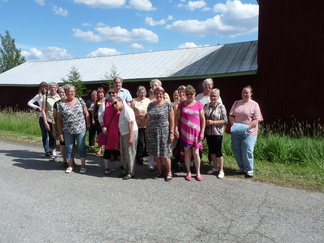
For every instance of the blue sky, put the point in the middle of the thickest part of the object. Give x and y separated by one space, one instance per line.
64 29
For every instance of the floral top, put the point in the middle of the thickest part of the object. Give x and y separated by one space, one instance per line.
215 113
73 120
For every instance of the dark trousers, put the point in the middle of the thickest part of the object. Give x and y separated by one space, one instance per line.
141 144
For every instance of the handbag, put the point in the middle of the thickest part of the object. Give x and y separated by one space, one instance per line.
228 128
101 139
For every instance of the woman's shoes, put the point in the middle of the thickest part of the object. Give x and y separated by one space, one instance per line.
199 178
168 178
83 170
68 170
212 171
221 175
107 172
188 178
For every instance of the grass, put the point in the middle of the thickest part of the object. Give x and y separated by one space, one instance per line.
290 156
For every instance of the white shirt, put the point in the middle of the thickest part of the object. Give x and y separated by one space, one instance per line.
39 100
206 99
126 115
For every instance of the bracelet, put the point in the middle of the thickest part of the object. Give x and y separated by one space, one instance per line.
172 133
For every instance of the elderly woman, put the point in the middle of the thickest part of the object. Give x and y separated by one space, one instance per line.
245 116
73 120
157 83
139 106
108 118
160 127
38 98
47 111
215 115
190 124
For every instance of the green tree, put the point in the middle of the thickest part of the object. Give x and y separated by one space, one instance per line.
10 56
110 77
74 78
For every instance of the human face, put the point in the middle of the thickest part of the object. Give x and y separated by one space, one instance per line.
159 95
182 95
214 97
154 85
94 96
44 89
61 93
100 95
175 96
112 94
118 105
70 94
118 83
246 94
190 96
53 89
208 86
142 94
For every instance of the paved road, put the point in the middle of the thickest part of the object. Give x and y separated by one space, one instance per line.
40 203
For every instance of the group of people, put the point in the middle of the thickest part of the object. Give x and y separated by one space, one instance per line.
148 127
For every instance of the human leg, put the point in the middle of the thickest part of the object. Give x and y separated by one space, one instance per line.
44 135
80 139
52 141
248 145
69 141
236 140
167 165
195 152
188 161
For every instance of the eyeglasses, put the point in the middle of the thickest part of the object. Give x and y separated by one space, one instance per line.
111 93
188 94
115 103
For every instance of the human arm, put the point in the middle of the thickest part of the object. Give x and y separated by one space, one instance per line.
32 102
202 124
87 117
171 125
131 132
176 123
47 127
59 121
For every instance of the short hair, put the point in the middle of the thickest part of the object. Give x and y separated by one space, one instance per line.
121 80
190 89
175 92
94 92
101 90
52 83
118 98
159 88
181 87
215 91
139 89
111 87
208 80
155 80
248 87
67 87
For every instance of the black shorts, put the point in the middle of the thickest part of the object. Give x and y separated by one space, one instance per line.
109 153
214 143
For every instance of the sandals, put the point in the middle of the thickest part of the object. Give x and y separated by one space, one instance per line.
107 172
168 178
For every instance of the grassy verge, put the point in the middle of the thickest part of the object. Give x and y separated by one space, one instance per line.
280 158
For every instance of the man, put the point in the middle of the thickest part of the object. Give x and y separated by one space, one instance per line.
204 97
124 94
128 137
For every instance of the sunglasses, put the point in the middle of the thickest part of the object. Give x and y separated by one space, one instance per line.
111 93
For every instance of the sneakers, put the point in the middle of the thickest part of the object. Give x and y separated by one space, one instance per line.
83 170
68 170
240 172
52 159
249 173
212 171
221 175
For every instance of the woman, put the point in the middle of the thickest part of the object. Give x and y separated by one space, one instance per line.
95 121
73 120
175 98
108 118
190 124
139 106
215 115
47 111
62 95
42 91
92 131
159 133
244 116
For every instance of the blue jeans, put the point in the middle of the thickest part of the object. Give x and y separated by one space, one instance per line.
69 142
44 134
243 146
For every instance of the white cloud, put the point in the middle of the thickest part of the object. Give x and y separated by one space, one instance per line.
188 45
103 52
60 11
235 19
136 46
40 2
102 3
116 35
151 22
47 53
193 5
145 5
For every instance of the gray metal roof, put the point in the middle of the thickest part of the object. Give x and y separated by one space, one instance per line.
199 62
